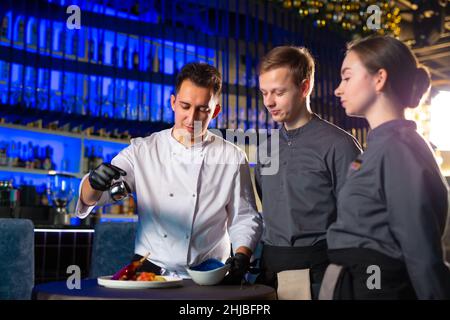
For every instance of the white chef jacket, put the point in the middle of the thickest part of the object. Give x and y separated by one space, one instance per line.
188 198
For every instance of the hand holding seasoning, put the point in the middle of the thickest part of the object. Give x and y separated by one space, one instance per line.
129 271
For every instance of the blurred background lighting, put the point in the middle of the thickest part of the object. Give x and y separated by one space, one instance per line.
440 121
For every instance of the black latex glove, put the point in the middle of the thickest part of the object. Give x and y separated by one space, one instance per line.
101 177
239 265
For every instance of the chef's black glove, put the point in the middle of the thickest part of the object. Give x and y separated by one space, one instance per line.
101 177
239 265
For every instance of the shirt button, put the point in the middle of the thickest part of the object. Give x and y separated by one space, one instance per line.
187 236
289 143
165 236
193 195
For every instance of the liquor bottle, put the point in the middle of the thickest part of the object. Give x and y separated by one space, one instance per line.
10 154
99 156
149 62
135 59
3 153
115 56
85 166
4 76
29 161
4 27
36 158
47 164
42 156
4 193
131 205
43 198
125 58
21 32
91 159
91 49
62 42
156 61
48 41
33 37
100 52
75 40
125 206
13 195
65 160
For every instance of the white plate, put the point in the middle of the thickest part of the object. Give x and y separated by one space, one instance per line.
125 284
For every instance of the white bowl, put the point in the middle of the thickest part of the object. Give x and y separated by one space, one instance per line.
210 277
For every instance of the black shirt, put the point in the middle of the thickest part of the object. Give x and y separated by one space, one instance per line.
299 201
395 201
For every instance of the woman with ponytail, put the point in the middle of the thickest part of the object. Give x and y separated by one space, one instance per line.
392 209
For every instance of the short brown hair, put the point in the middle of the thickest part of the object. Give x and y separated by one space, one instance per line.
297 59
202 74
407 81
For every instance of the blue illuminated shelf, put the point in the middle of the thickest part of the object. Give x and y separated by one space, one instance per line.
118 218
23 170
68 151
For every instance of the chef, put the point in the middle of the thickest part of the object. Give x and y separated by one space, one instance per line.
194 192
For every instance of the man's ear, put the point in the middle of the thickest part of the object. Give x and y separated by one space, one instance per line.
305 87
380 80
216 111
172 102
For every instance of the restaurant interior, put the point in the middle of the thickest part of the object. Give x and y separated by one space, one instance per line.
80 78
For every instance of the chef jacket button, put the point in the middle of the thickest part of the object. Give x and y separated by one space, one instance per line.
193 195
165 236
171 194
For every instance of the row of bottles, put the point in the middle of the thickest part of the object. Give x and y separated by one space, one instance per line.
8 194
26 194
93 157
127 206
21 195
83 94
110 97
26 155
100 46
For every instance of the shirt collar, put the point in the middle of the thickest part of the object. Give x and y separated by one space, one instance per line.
390 126
290 134
208 137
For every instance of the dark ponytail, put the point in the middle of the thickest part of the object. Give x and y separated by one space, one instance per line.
421 86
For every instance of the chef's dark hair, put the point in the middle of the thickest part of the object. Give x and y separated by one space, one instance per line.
407 81
201 74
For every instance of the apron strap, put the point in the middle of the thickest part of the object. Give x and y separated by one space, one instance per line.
329 282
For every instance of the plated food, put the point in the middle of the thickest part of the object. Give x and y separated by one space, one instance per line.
148 276
129 278
168 282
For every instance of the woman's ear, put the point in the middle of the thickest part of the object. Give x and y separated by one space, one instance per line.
380 80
